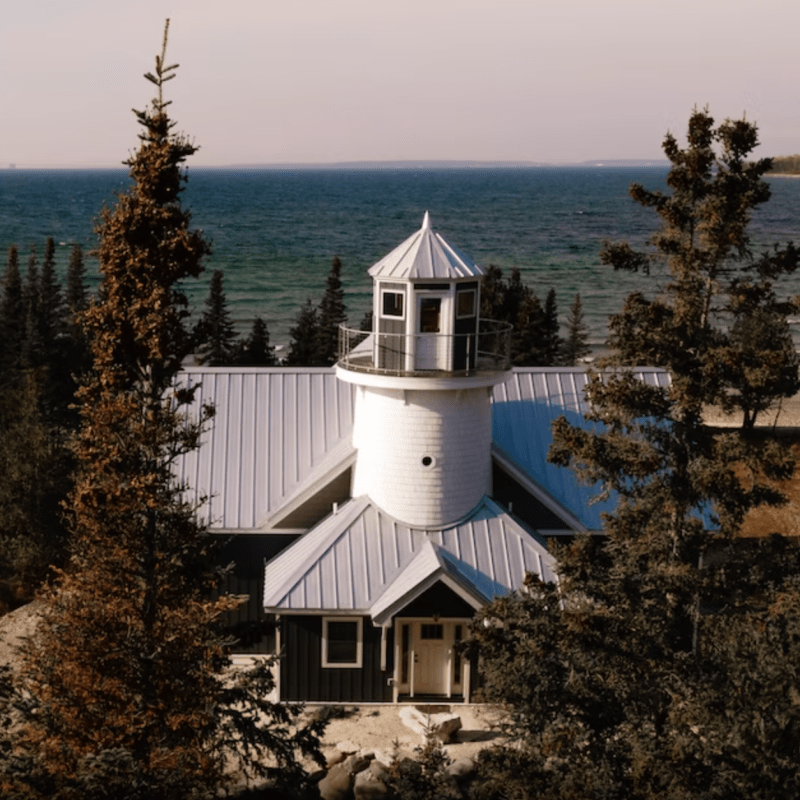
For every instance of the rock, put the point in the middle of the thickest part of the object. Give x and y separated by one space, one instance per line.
337 784
334 757
347 747
442 725
461 768
355 763
368 786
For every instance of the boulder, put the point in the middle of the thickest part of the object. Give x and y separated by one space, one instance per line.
355 763
337 784
347 747
442 725
368 786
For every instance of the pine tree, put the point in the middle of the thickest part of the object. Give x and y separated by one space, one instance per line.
302 347
215 334
123 683
634 677
256 350
575 346
331 314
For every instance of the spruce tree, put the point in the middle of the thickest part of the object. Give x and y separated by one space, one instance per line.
123 689
256 350
575 346
331 314
12 313
76 298
551 341
634 676
215 334
304 338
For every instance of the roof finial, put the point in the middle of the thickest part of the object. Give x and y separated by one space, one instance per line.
426 221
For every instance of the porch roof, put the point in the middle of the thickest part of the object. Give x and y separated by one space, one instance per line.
361 560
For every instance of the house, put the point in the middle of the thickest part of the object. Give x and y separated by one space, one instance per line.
373 507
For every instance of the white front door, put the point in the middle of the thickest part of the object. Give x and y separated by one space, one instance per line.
433 340
432 660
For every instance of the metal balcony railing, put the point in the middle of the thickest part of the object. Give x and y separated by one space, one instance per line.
427 354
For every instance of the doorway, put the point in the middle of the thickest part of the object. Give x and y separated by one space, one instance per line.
433 339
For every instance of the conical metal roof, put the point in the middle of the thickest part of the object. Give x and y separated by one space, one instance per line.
426 255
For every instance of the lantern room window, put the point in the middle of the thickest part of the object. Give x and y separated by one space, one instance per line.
465 304
392 304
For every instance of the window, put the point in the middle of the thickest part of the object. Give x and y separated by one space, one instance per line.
341 642
465 304
428 631
392 304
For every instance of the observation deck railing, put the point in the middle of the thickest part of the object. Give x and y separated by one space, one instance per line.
488 349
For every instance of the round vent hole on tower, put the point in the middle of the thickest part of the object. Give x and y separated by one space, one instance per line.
428 462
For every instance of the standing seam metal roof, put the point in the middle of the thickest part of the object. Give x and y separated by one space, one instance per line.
425 255
362 560
279 432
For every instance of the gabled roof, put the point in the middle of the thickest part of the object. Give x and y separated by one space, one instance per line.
275 432
425 255
361 560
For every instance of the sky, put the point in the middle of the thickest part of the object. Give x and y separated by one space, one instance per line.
326 81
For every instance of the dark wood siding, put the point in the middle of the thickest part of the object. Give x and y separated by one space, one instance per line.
248 624
529 509
465 326
304 678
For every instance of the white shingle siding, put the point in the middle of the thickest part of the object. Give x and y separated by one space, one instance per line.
395 430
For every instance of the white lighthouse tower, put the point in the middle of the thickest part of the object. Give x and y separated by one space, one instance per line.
424 374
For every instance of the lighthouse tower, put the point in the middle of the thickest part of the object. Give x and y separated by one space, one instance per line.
424 374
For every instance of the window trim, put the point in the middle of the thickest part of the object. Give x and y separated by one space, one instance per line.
402 294
358 663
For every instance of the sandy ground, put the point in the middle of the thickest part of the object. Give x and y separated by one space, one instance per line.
379 729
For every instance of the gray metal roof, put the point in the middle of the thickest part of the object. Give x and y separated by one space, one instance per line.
361 560
424 255
278 434
275 431
523 410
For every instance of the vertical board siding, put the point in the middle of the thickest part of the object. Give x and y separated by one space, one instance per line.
302 674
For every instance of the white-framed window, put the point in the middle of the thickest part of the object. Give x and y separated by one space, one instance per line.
465 303
393 304
342 642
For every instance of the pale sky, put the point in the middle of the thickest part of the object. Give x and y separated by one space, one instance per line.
363 80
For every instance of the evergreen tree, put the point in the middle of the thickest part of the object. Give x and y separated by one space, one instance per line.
51 301
12 312
493 291
123 693
551 341
302 347
331 315
215 334
256 350
33 351
634 677
76 298
528 335
575 345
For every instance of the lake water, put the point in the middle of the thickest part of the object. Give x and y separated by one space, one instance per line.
274 232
